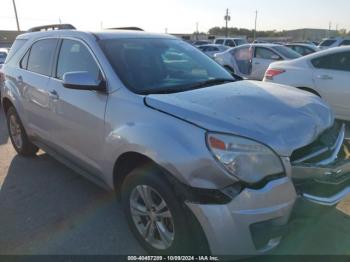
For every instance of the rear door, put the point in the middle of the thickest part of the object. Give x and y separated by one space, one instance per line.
78 115
243 59
34 77
332 81
263 57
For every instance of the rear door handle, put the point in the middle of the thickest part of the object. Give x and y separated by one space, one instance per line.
54 95
324 77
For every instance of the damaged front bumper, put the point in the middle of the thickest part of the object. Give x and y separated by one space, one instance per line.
322 174
253 223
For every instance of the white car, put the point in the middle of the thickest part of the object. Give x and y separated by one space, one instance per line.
334 42
251 61
212 49
326 74
231 42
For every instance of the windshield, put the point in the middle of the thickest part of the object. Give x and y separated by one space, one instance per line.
161 65
286 52
327 42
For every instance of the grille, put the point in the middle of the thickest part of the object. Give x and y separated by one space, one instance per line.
325 150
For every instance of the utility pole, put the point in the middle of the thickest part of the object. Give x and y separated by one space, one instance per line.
227 19
256 20
329 29
14 7
197 32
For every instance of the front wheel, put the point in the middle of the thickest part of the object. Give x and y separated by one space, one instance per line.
159 221
18 136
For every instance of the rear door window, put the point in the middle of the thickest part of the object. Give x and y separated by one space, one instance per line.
339 61
264 53
41 56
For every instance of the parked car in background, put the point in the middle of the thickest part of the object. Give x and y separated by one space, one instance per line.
201 42
306 43
303 49
334 42
231 42
251 61
211 50
203 163
3 55
326 74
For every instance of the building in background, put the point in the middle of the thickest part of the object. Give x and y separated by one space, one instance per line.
310 34
8 37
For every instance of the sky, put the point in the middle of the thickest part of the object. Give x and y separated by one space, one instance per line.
177 16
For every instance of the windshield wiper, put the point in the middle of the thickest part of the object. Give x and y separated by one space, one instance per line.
211 82
182 88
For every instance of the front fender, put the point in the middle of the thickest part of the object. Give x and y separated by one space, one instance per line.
175 145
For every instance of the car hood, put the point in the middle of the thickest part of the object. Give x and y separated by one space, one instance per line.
281 117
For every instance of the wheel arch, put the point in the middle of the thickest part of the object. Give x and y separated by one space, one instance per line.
6 104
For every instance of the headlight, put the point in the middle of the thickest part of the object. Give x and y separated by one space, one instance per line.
245 159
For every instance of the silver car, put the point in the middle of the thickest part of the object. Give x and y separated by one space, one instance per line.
202 162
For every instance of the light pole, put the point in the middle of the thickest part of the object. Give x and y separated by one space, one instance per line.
227 19
256 20
14 7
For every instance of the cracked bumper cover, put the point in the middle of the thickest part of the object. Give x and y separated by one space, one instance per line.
252 223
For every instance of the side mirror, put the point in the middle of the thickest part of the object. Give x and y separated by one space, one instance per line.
82 80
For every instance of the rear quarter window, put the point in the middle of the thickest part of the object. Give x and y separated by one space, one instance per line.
16 46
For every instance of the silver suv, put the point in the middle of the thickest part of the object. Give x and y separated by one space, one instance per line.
202 162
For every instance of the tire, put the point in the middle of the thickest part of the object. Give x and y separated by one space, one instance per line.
18 136
184 232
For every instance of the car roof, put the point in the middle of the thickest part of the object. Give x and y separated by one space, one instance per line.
301 44
107 34
329 51
260 45
229 38
215 45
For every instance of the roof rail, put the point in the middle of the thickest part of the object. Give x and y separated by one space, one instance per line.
51 27
133 28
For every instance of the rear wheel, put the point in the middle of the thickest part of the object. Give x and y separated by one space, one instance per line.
159 221
18 136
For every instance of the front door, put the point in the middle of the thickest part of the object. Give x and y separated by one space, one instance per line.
263 57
